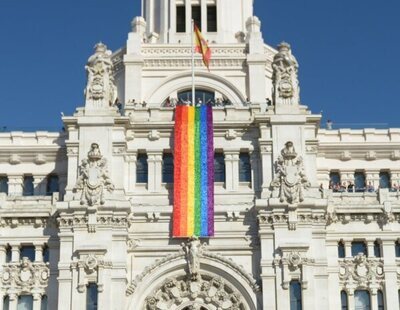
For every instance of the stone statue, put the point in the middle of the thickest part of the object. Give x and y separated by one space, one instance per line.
290 177
93 178
100 91
285 76
193 250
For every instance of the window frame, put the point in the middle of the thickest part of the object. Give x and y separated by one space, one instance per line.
243 166
214 20
167 178
353 244
180 26
142 174
296 302
31 183
219 167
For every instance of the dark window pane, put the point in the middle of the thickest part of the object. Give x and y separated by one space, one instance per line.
43 305
219 167
28 186
244 168
397 249
3 184
359 181
8 254
203 95
180 19
362 300
384 180
52 185
377 249
295 296
25 302
6 303
334 181
91 297
142 169
341 250
212 18
344 301
381 302
196 15
46 254
28 251
358 247
168 168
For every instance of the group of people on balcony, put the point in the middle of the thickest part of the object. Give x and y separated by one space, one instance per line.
173 102
351 188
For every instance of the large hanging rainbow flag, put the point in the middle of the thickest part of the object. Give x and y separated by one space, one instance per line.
193 172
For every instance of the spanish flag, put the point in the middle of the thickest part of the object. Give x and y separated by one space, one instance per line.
202 47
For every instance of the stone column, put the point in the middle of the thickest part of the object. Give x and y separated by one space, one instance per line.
255 171
15 254
351 300
231 170
3 254
347 247
39 253
203 4
347 176
374 299
37 301
130 173
370 246
62 183
15 185
390 267
154 162
373 177
2 295
13 301
39 185
266 165
72 153
188 6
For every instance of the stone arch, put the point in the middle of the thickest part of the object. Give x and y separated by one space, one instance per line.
204 80
167 285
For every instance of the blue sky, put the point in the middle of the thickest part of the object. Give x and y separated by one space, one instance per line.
348 53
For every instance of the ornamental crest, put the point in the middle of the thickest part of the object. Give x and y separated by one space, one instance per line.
285 69
93 180
290 175
100 90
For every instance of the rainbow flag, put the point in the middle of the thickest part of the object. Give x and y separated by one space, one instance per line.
193 213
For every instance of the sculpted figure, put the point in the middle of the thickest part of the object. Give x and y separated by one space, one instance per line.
100 90
290 177
285 76
193 252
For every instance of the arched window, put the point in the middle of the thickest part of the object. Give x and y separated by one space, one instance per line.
200 94
25 302
344 300
295 296
362 300
381 301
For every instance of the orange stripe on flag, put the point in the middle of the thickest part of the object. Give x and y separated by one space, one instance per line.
201 46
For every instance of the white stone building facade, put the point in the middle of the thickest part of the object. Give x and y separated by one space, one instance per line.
85 214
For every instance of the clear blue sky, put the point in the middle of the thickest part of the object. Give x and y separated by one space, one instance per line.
348 53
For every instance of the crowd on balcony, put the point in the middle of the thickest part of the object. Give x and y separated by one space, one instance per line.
173 102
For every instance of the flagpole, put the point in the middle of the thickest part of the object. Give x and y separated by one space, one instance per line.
192 47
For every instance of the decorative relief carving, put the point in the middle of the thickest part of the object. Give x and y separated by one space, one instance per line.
93 179
371 155
14 159
290 176
361 271
154 135
193 250
100 91
345 156
395 155
231 134
285 69
25 276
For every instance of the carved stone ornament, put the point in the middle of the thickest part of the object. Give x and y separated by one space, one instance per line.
290 176
286 88
361 271
208 291
25 275
100 91
193 250
93 178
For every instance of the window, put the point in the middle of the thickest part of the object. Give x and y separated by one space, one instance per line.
381 302
384 180
397 248
344 300
244 167
142 175
43 304
295 296
8 254
6 303
334 181
341 250
168 168
28 185
203 95
377 249
28 251
46 254
181 18
362 300
3 184
91 297
25 302
52 184
219 167
358 247
359 181
196 15
211 18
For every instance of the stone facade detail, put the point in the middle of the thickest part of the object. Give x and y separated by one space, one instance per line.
93 180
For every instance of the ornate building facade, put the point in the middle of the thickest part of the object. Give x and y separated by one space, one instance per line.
305 218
